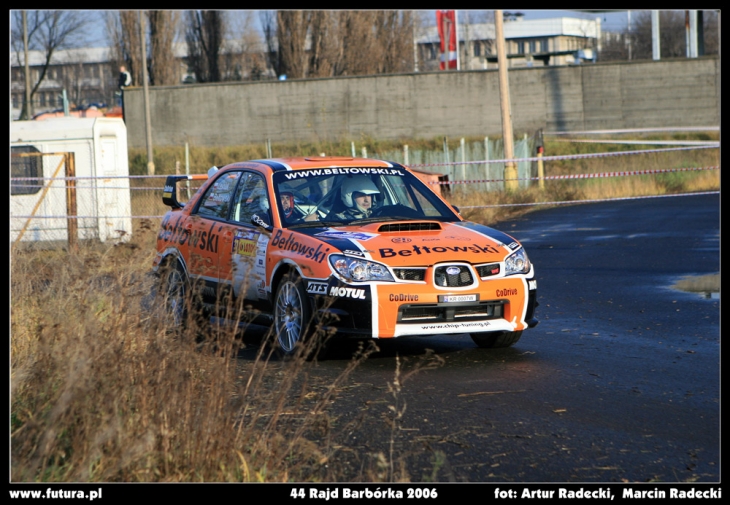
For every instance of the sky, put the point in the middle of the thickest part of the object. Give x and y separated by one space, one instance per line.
614 21
611 21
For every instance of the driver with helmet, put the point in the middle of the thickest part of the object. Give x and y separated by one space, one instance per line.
356 194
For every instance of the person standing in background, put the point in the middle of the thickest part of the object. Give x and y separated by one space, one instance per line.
125 80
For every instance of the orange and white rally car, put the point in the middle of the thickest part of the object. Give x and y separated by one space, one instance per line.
360 247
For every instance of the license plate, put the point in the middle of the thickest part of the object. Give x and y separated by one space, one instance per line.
458 298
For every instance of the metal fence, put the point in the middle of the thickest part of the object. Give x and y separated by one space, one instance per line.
48 202
446 162
48 207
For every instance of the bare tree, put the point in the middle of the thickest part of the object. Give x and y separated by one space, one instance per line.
393 31
614 47
711 31
243 58
123 31
48 31
268 25
672 35
291 34
331 43
205 32
163 27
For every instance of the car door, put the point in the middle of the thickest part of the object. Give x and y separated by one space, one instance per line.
205 230
242 269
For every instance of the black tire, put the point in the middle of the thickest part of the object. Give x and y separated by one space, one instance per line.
179 311
173 291
496 339
294 328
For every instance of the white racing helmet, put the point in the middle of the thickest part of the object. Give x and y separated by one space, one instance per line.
358 184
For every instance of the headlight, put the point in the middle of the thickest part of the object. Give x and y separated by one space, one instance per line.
517 263
354 269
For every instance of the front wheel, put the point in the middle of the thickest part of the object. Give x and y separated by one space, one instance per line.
292 314
496 339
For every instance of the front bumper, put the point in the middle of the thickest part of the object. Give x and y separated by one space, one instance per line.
389 310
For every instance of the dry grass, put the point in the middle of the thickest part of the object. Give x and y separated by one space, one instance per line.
699 284
493 207
101 392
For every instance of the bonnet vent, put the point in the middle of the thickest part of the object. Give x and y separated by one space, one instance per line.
409 226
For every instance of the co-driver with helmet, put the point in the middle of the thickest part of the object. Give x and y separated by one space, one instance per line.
291 213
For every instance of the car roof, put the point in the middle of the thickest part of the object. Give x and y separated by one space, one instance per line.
308 162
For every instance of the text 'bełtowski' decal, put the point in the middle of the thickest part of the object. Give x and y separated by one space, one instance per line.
342 170
388 252
291 243
198 239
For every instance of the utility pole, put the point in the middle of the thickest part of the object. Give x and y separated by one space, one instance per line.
147 120
415 42
456 28
655 46
628 31
510 170
28 105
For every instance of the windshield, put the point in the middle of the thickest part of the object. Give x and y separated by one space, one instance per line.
335 196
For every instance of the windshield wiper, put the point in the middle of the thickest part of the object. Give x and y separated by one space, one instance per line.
385 218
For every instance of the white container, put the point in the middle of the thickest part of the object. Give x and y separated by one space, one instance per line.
102 197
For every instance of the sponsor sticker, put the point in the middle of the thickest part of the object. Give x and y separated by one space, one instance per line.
317 288
355 235
348 292
244 243
458 298
415 250
344 171
403 298
291 242
256 219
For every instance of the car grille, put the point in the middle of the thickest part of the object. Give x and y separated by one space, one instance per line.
412 226
410 274
450 312
444 278
488 270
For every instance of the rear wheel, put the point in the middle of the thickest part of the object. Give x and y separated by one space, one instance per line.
180 311
496 339
174 292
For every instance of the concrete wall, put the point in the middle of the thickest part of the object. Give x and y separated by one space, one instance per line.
681 92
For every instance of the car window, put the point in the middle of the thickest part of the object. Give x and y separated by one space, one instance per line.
251 199
217 199
394 194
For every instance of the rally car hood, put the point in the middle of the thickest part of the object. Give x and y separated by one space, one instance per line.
418 243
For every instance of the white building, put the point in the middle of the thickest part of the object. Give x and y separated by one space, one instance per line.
557 41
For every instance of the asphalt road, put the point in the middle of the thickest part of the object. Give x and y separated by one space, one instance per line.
618 383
